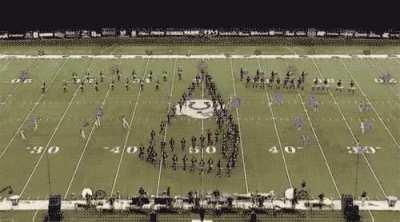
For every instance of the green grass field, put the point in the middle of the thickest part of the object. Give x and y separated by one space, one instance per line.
274 156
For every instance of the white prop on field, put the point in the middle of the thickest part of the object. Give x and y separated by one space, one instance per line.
196 108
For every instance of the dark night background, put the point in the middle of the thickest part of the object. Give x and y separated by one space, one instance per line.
326 14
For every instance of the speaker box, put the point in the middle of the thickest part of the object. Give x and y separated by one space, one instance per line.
253 217
352 214
347 201
54 210
153 217
163 200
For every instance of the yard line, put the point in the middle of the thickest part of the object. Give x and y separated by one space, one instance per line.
30 112
129 130
5 65
166 127
390 87
50 140
85 146
267 95
319 145
202 120
9 94
113 49
356 141
240 131
34 215
202 131
290 50
372 106
397 61
354 138
52 136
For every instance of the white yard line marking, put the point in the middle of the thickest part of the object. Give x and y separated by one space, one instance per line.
129 130
202 131
397 61
34 215
85 147
371 215
267 95
112 52
30 113
202 120
166 127
70 103
356 141
5 66
240 131
372 64
290 50
320 147
50 140
9 94
372 106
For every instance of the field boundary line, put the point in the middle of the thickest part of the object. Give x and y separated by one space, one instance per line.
129 130
267 95
4 150
319 145
166 126
240 131
202 56
352 134
372 105
50 140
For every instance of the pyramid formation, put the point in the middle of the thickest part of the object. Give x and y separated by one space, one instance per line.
223 140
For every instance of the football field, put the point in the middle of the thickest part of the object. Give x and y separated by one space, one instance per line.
42 149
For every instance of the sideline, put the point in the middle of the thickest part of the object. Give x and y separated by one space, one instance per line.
206 56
